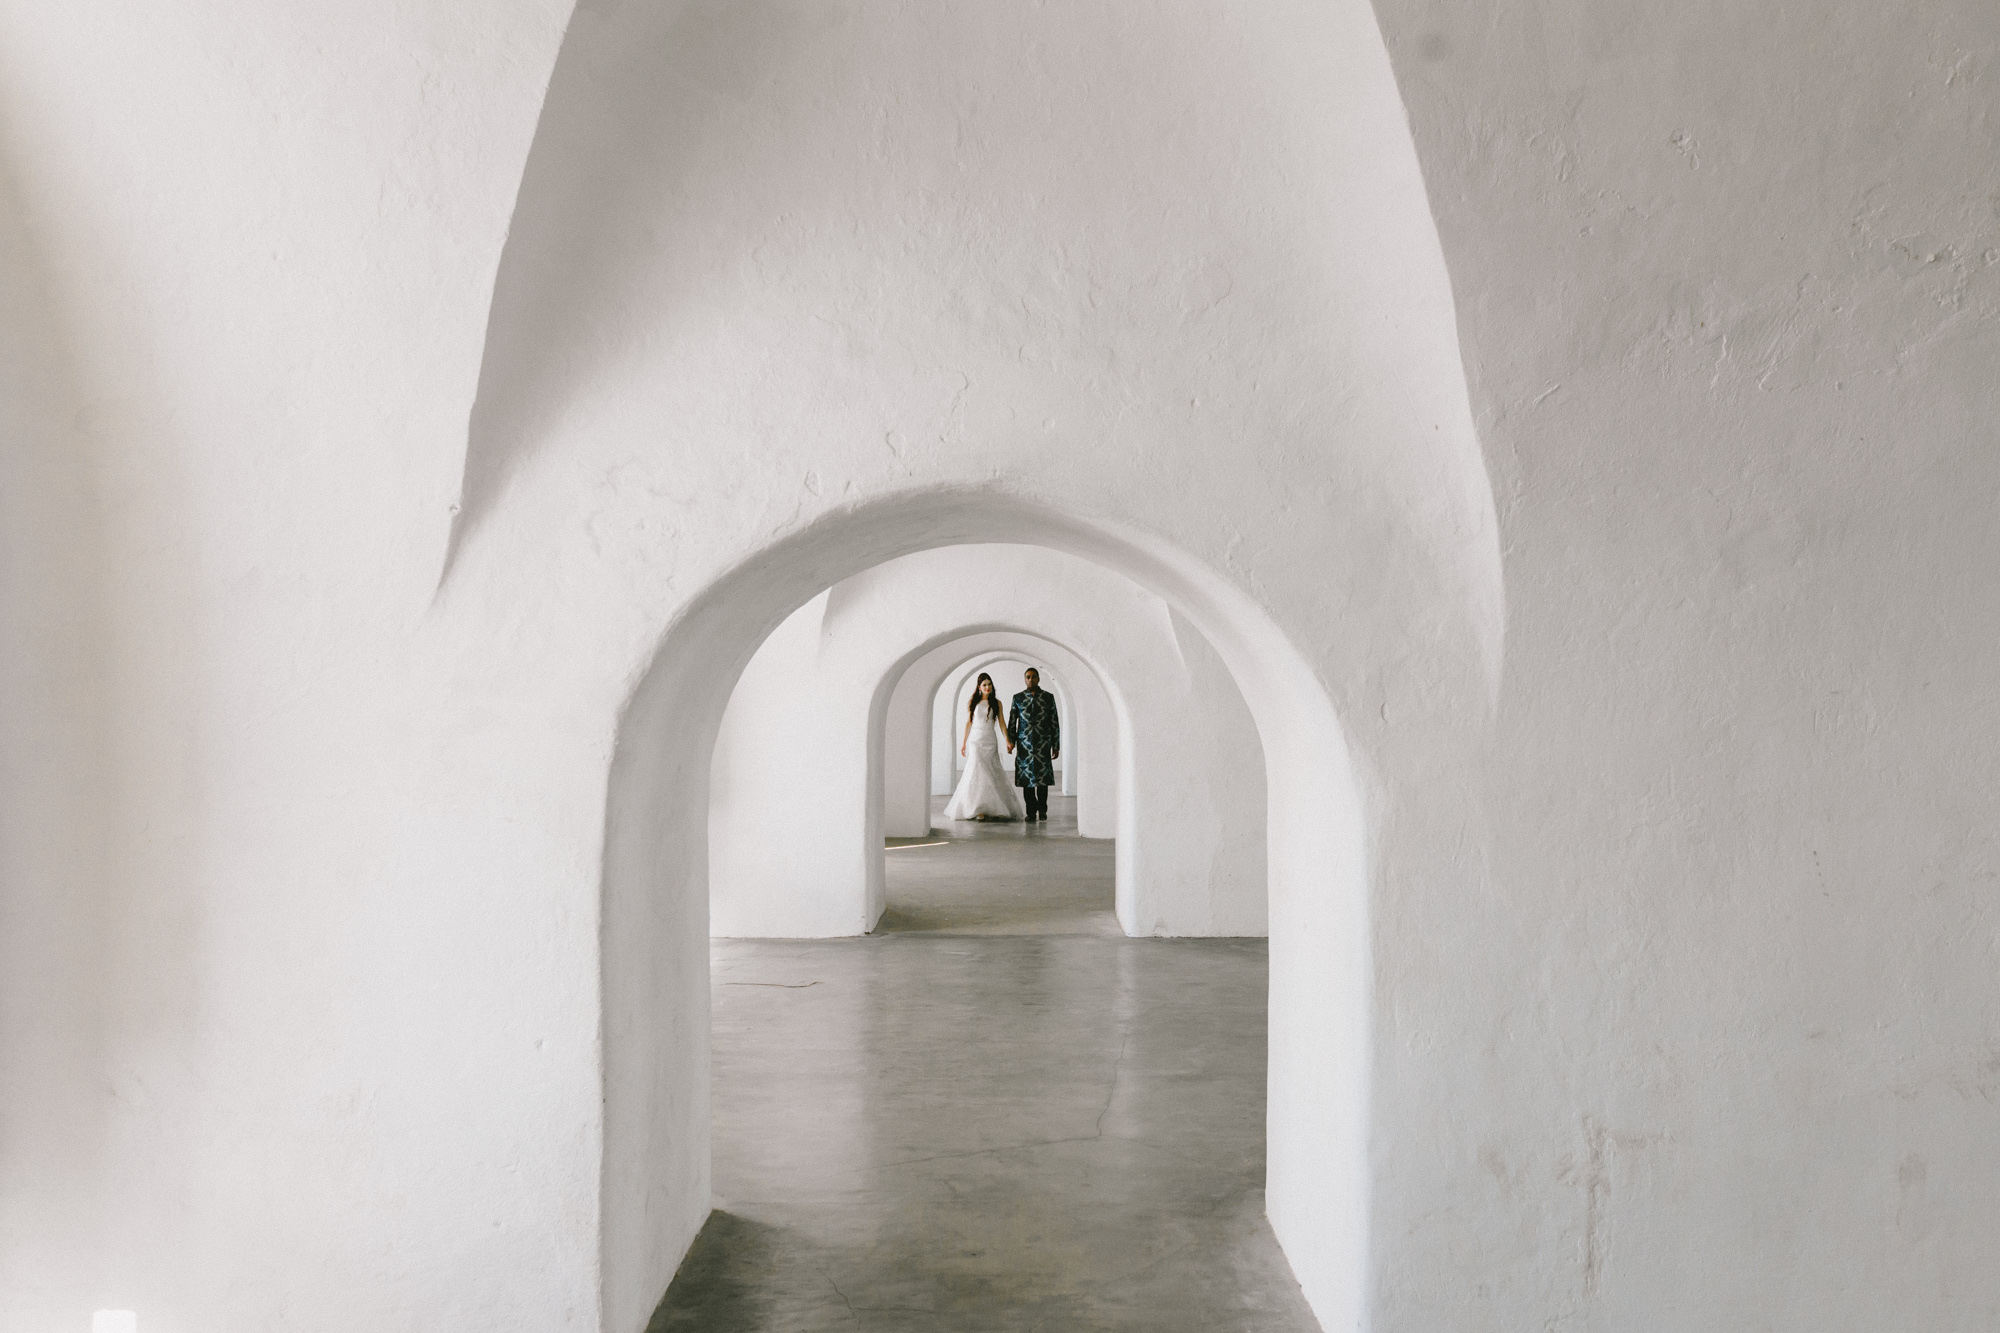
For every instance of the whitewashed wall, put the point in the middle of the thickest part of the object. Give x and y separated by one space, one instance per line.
810 721
1666 999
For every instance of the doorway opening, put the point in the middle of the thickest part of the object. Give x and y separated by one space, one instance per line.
655 988
946 875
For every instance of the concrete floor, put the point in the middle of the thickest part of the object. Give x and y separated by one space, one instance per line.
1000 878
997 1113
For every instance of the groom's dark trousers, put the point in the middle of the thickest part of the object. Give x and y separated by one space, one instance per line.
1038 802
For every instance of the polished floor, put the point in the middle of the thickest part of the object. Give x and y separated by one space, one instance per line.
997 1113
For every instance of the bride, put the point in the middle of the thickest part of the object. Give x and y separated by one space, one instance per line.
984 791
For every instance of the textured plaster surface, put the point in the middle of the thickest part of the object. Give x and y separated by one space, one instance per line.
1677 995
1728 281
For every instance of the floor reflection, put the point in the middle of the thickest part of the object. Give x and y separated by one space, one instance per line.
973 1130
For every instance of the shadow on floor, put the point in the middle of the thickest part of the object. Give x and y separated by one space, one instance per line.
716 1289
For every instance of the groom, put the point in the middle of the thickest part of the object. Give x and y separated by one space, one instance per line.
1037 737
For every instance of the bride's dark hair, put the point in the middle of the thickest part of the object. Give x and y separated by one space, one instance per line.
992 699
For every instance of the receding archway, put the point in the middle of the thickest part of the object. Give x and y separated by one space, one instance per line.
1190 837
799 742
916 724
655 1180
1006 668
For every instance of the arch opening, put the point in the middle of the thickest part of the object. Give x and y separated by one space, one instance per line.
811 717
1007 670
654 1179
926 708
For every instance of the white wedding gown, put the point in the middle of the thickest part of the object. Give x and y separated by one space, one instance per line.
985 788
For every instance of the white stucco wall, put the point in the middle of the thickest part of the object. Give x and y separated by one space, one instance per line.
1729 283
809 723
1669 1001
775 794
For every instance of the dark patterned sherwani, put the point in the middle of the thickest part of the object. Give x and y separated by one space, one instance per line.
1037 735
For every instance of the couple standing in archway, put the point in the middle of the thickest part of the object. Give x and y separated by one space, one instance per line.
1033 735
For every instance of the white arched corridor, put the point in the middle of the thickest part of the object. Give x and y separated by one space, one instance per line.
656 969
825 726
1062 1045
1530 472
